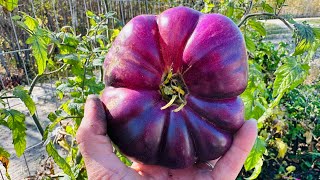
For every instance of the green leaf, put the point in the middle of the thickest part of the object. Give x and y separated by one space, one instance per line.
4 153
230 9
39 43
208 6
252 95
51 127
9 5
52 116
25 97
289 76
248 100
69 58
16 122
16 17
251 47
316 32
255 154
30 22
304 37
258 27
267 8
3 117
60 161
290 169
4 159
257 170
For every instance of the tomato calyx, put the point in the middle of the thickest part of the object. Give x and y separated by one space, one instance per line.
173 90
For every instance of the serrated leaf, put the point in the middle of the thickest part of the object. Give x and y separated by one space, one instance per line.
316 32
230 9
16 122
60 161
30 22
282 148
39 44
9 5
257 170
258 27
289 76
248 100
251 47
4 159
304 37
255 154
25 98
267 8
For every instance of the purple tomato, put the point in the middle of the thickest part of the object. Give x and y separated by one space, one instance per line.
172 87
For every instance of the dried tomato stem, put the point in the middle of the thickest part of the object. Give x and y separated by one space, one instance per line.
180 107
170 102
173 90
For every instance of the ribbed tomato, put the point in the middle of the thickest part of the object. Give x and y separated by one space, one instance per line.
172 86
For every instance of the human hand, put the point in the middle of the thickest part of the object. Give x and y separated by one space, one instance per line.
102 163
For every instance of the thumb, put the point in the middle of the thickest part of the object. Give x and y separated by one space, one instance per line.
95 146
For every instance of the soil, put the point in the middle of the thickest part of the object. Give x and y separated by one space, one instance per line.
27 165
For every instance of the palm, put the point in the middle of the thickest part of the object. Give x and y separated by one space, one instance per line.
102 163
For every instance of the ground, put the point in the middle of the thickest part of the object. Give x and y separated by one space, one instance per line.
27 165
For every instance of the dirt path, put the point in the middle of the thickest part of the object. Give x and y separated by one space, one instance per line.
26 165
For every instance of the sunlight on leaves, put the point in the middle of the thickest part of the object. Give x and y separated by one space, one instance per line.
61 162
282 148
289 76
9 5
255 154
257 170
25 97
16 122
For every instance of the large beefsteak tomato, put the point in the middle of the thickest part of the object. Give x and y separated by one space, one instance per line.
172 86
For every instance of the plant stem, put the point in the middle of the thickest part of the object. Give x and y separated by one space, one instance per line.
248 9
246 17
78 157
34 117
102 73
37 122
44 74
8 97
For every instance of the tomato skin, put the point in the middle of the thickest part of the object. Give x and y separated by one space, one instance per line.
208 52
